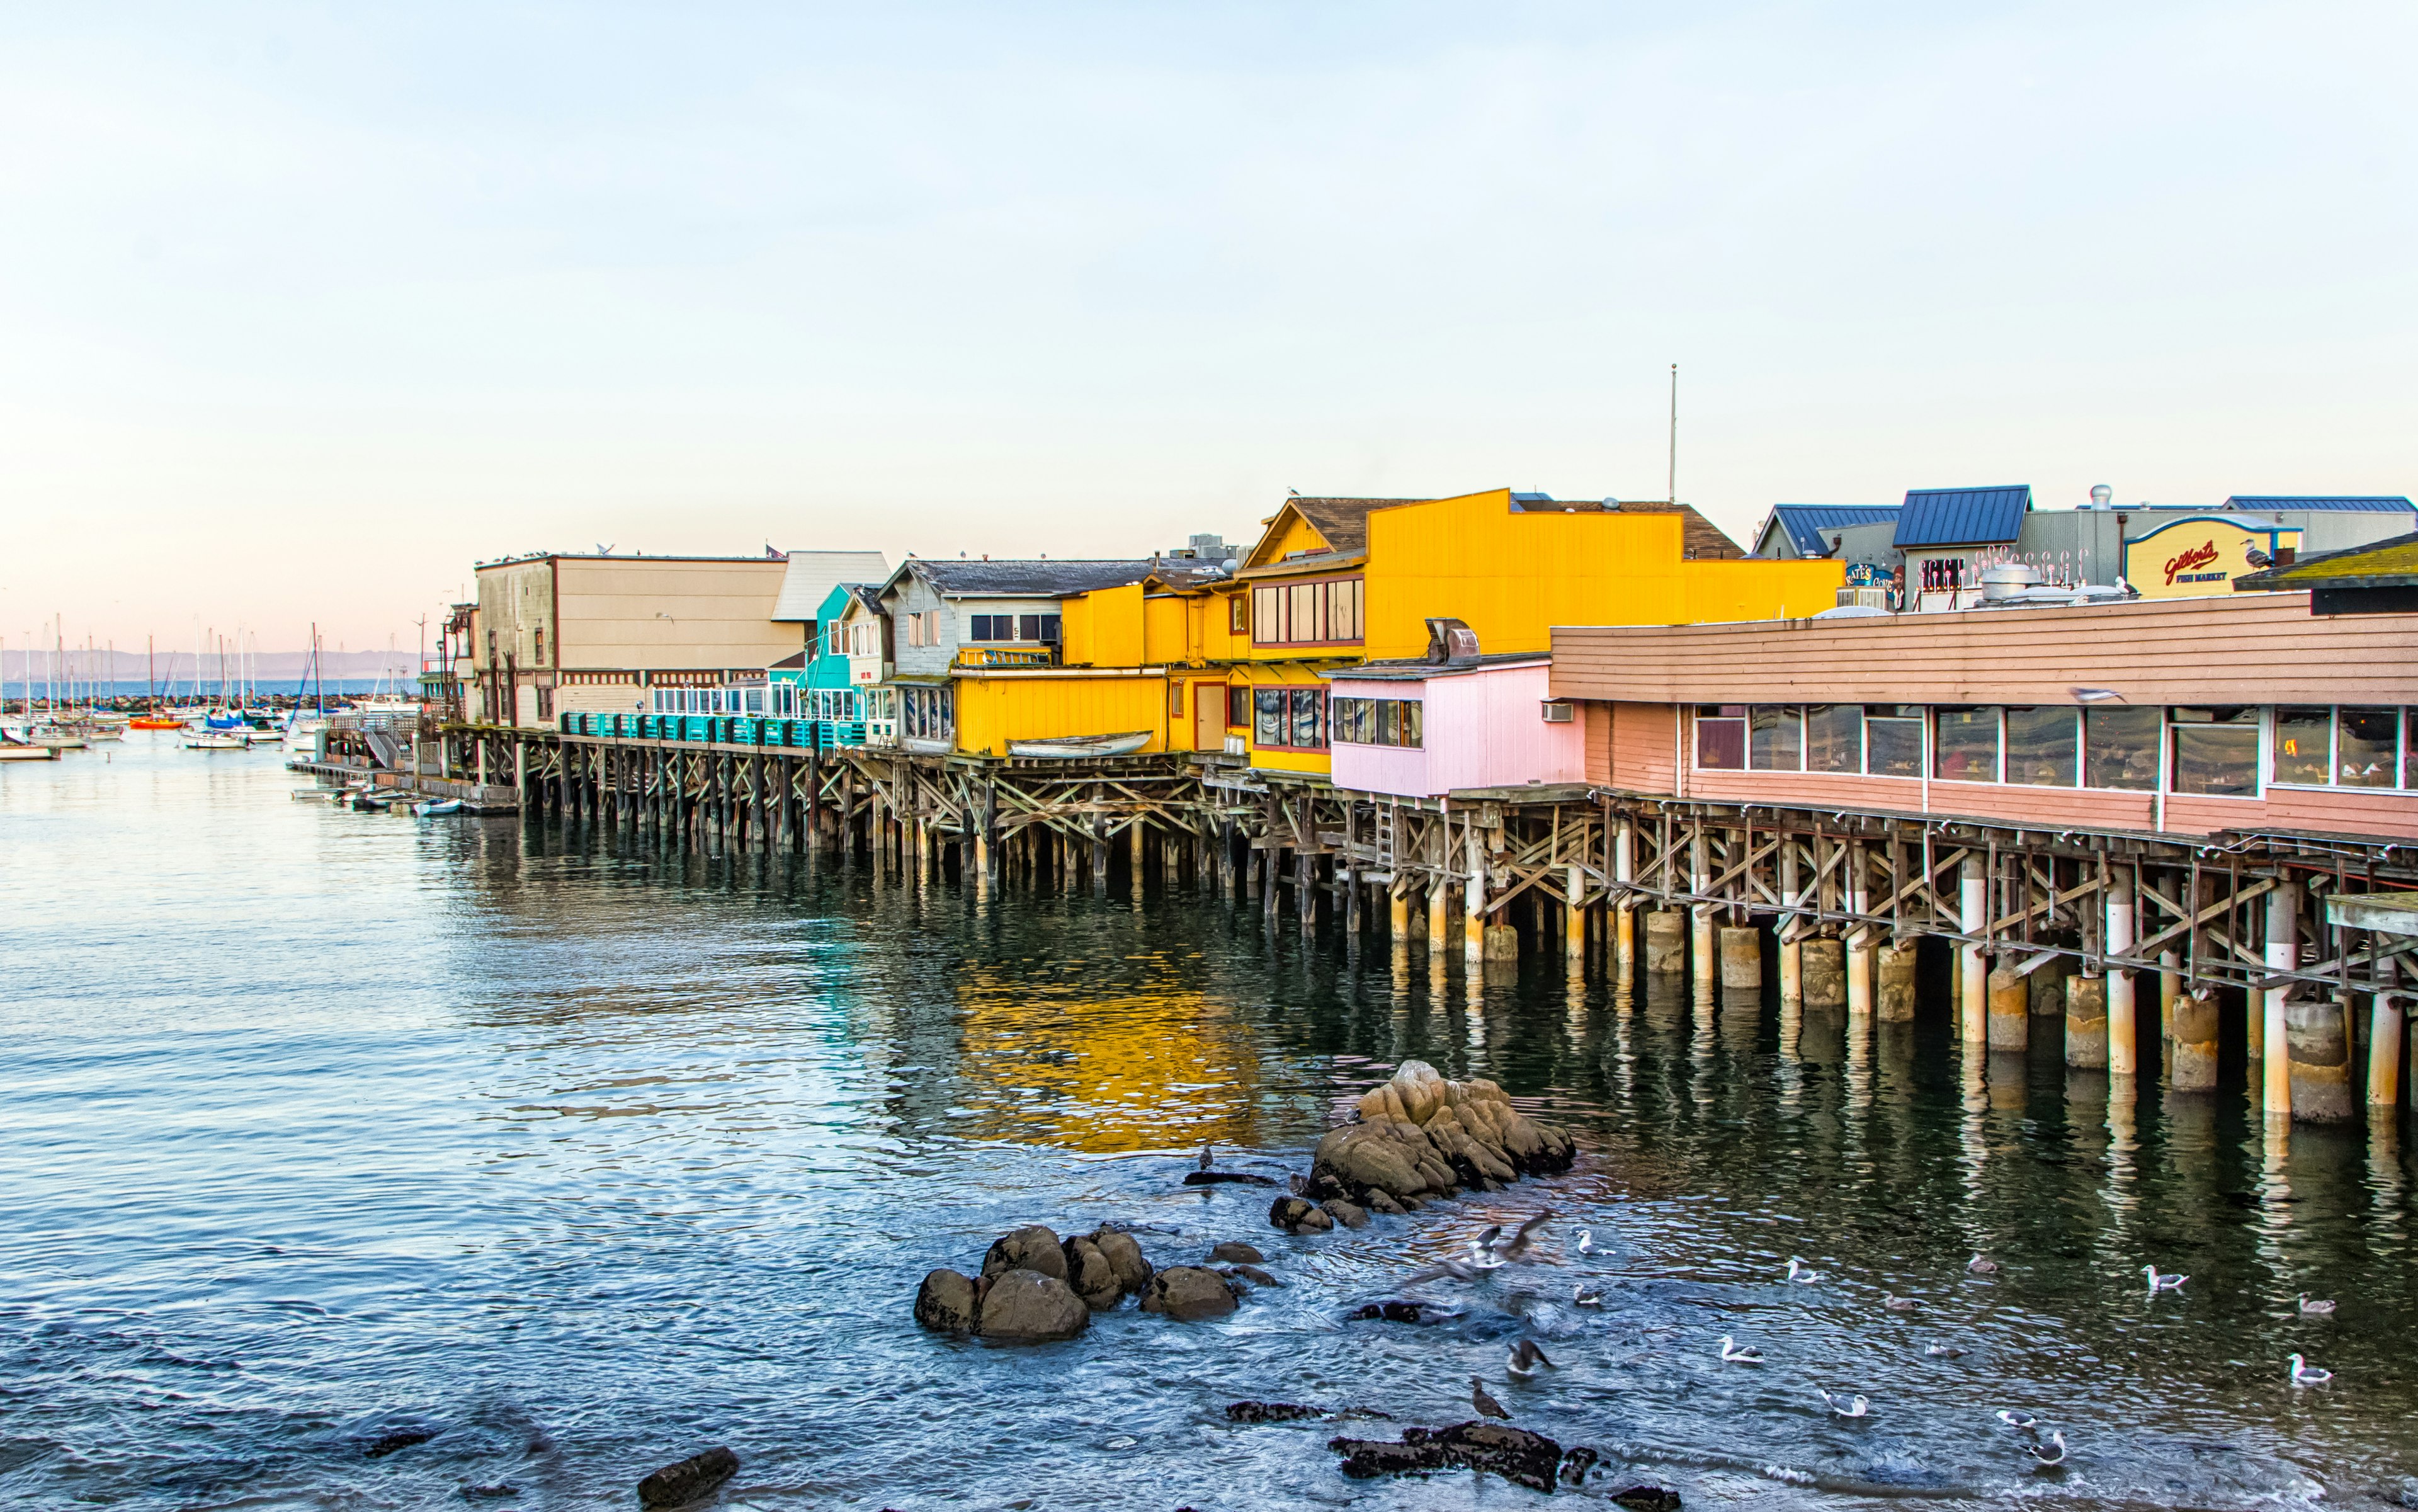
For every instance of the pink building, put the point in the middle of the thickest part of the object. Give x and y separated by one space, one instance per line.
1424 729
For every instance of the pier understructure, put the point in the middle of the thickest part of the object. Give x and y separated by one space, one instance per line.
2251 939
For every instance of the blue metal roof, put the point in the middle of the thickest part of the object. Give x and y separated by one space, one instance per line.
1962 516
1809 526
2336 504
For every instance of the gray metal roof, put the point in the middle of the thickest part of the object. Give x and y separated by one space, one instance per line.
1807 527
1421 670
813 574
1044 578
2334 504
1962 516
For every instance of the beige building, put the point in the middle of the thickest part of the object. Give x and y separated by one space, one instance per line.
557 634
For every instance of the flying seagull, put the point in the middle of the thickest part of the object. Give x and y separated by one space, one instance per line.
1517 1249
1526 1358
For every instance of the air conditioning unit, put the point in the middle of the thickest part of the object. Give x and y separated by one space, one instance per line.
1559 710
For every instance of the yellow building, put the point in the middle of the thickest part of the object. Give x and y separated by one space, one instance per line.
1333 582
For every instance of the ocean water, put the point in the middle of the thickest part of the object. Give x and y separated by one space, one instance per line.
566 1158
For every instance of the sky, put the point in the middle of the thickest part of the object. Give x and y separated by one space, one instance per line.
308 309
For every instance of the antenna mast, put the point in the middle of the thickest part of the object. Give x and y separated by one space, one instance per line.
1675 434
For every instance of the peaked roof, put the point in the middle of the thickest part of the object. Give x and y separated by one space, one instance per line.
2339 504
1807 527
1041 578
2389 563
867 595
1344 521
1962 516
813 574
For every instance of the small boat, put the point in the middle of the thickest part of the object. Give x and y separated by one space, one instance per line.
156 722
365 803
217 743
437 807
1065 747
28 753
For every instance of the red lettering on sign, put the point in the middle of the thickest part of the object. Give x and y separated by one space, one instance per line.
2199 555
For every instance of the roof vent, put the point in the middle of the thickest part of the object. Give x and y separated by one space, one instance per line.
1451 642
2101 497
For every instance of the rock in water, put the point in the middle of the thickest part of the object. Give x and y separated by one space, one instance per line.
387 1443
1125 1257
1349 1214
949 1302
1270 1411
1025 1306
1576 1461
690 1480
1298 1216
1645 1496
1525 1458
1187 1293
1236 1252
1032 1248
1092 1277
1255 1275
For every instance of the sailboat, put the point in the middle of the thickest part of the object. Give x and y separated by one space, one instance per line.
302 730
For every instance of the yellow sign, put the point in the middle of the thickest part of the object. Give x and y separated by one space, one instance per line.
2203 554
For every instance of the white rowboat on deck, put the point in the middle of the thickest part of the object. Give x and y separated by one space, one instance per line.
1072 746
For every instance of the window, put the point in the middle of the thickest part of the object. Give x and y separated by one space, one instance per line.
838 646
1965 745
1290 719
1013 627
1379 721
544 700
1893 740
1776 739
1721 737
1297 614
538 637
2121 748
2043 746
2215 751
2367 746
1834 737
2301 739
923 713
1238 615
1238 707
755 700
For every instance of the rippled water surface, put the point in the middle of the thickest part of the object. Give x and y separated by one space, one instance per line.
320 1126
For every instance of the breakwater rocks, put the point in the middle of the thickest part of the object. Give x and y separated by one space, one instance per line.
1036 1288
1422 1137
1517 1456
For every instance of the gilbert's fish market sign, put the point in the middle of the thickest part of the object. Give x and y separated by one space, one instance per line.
2203 554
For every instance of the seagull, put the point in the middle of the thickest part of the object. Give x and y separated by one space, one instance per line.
1944 1352
2314 1309
1525 1358
2051 1453
2163 1283
1455 1269
1799 1274
2022 1422
1584 1298
1518 1246
1486 1405
2257 557
1587 1241
1299 1184
1205 1156
2309 1375
1855 1406
1484 1242
1982 1264
2096 696
1733 1354
1897 1303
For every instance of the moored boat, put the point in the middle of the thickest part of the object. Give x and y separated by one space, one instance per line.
1068 747
28 753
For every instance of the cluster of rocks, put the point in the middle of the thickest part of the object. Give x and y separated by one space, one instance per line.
1421 1137
1036 1288
1517 1454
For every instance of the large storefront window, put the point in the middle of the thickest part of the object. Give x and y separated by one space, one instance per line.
2367 746
1893 740
2215 752
1776 739
1290 719
1834 737
2121 748
1379 721
2043 746
1965 745
2302 736
1721 737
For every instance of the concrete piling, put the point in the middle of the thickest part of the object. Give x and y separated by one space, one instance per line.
1826 973
2317 1060
1666 942
2193 1067
1742 950
2086 1022
1894 965
2009 1010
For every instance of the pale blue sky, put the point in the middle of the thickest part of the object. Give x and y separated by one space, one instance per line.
308 308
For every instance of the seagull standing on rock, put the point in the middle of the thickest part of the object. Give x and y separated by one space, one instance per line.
1205 1151
1486 1405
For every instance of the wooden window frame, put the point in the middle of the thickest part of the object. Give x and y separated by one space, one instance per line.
1281 619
